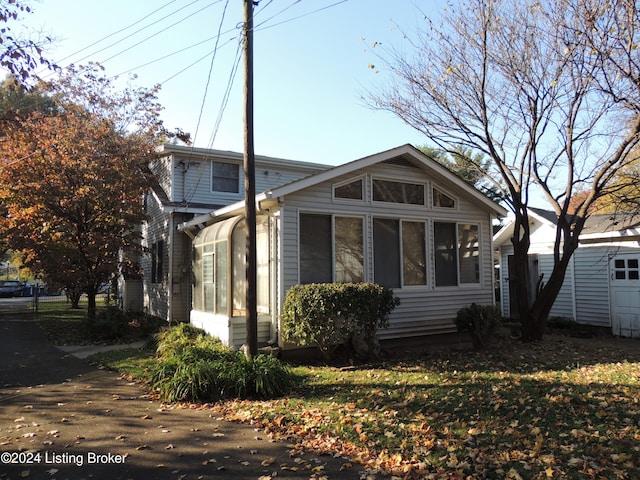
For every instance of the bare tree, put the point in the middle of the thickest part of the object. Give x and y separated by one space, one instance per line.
548 90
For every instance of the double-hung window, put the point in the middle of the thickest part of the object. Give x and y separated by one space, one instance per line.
225 177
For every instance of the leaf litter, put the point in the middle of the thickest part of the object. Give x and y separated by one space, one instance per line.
552 410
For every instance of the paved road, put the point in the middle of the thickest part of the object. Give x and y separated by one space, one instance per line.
61 418
12 307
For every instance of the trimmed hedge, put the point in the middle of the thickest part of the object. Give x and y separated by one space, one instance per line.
329 314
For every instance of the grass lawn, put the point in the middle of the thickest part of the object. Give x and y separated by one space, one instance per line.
64 325
559 409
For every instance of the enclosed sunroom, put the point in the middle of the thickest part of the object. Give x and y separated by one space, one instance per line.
396 218
219 280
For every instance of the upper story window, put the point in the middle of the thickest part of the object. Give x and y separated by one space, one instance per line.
398 192
225 177
352 190
442 200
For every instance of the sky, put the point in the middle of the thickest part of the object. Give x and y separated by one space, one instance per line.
314 63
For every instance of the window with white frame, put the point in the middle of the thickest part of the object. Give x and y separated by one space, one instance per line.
456 253
331 248
225 177
398 192
442 200
350 190
399 252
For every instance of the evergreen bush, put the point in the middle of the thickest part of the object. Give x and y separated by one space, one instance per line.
328 314
480 321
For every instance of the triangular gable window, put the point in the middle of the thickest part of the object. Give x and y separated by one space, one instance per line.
442 200
352 190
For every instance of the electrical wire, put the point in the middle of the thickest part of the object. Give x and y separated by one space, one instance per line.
213 58
326 7
205 56
158 32
121 30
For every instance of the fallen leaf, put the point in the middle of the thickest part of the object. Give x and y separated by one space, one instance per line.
268 461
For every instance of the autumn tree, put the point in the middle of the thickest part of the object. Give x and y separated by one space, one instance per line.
19 56
72 180
548 90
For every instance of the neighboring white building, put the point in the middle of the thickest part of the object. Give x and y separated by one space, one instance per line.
602 283
397 218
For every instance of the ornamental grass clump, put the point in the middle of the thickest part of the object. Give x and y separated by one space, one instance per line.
195 367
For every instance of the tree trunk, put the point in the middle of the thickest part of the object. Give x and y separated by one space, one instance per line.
91 304
535 299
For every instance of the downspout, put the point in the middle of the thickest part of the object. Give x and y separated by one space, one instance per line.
274 274
170 274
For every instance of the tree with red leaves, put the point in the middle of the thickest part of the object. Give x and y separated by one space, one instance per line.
72 178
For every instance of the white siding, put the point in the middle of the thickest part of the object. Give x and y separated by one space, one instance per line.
584 296
423 309
156 229
192 178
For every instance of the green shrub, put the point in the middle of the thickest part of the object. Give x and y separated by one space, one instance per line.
195 367
480 321
109 324
328 314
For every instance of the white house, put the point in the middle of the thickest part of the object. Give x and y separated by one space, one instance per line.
602 284
396 218
190 181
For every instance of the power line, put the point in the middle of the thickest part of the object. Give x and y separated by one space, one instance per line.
213 57
326 7
121 30
164 57
158 32
221 110
205 56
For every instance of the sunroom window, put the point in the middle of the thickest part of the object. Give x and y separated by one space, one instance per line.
331 248
457 253
399 252
398 192
442 200
219 264
350 191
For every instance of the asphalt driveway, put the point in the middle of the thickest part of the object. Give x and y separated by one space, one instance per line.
61 418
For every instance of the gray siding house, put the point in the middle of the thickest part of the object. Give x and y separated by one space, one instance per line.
190 182
602 284
396 218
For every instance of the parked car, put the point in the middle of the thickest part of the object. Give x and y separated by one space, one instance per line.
11 288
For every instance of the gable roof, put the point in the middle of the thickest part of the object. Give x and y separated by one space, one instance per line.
602 227
406 153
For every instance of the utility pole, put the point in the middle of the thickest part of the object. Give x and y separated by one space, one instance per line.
250 187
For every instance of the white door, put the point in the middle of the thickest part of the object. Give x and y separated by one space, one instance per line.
624 283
